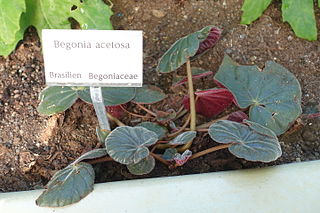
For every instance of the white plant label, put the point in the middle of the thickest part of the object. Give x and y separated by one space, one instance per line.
105 58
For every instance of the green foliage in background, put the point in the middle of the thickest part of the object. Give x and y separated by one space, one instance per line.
298 13
16 16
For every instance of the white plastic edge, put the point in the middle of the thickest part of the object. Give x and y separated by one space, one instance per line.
292 188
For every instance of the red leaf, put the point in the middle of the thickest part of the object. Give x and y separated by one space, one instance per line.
181 159
211 102
238 116
116 111
210 41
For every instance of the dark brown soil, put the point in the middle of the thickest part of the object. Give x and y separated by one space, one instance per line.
33 147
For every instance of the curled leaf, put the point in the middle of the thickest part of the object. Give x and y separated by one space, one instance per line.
181 159
116 111
209 42
164 117
210 102
129 145
95 153
181 50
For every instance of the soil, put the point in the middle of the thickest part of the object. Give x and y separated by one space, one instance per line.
34 147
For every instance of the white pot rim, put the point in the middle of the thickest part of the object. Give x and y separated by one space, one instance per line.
288 188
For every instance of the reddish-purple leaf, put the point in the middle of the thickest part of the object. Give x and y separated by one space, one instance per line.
238 116
181 159
116 111
211 102
210 41
197 73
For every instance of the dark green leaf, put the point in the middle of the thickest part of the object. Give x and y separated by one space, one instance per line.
56 99
184 138
143 167
181 50
274 95
111 95
95 153
252 142
253 9
148 95
300 16
68 186
154 127
128 145
169 154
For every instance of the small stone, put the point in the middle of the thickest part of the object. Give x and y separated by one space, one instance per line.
290 38
158 13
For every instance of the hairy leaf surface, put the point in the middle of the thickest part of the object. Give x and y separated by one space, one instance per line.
154 127
129 145
183 138
143 167
250 141
95 153
273 95
68 186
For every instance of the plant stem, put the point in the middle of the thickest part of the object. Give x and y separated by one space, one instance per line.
147 110
207 151
181 128
192 104
116 120
160 159
133 114
99 160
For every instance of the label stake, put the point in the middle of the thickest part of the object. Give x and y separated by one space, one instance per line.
97 100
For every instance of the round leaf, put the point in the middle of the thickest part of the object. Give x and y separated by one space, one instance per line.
181 50
111 95
128 145
252 142
274 95
68 186
183 138
156 128
56 99
148 95
143 167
